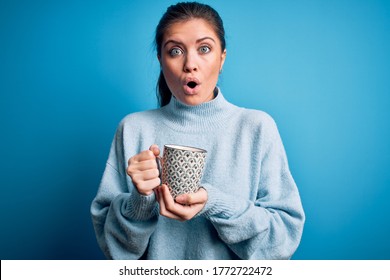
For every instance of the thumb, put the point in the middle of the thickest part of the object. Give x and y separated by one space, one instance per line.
198 197
155 149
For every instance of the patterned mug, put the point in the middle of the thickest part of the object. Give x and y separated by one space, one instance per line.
181 168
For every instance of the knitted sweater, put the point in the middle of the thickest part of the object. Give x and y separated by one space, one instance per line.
253 210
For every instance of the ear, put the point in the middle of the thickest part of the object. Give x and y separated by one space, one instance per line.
159 59
223 57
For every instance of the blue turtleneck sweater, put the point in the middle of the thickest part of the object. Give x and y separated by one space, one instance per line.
253 210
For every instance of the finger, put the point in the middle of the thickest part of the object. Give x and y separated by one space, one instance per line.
167 197
199 197
147 187
146 175
147 169
142 156
183 212
155 149
163 210
142 166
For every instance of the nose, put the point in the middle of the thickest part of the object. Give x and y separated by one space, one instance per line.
190 64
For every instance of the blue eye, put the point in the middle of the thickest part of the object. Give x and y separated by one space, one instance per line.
204 49
175 52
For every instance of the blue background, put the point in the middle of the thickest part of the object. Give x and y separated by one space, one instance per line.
70 70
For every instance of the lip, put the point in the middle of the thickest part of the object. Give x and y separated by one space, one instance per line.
188 90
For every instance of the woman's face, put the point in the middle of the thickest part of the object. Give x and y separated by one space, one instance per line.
191 60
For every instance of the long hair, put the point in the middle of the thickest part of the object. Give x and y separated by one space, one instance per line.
179 12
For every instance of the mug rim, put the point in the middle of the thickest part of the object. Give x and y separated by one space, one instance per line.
185 148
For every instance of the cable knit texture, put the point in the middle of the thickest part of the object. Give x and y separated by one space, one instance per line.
253 210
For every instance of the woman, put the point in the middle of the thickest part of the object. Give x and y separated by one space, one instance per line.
248 206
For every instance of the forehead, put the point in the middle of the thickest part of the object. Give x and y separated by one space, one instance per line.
190 30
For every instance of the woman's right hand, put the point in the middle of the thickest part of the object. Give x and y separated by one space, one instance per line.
143 170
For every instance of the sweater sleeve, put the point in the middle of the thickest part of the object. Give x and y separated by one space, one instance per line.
269 227
122 218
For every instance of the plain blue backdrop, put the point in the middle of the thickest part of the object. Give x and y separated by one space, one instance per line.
71 70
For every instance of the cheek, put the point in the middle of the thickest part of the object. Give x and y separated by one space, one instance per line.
217 62
170 69
170 76
214 68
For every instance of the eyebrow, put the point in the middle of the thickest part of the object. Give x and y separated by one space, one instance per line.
197 41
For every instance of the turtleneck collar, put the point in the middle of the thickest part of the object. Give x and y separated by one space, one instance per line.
202 117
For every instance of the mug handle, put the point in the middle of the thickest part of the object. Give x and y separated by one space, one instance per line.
159 167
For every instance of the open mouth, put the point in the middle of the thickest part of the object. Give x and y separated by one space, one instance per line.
192 84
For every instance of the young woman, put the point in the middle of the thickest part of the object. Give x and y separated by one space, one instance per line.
248 206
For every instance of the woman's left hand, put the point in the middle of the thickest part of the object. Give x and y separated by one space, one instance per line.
184 207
